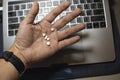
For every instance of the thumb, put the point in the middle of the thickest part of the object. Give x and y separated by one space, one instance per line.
32 13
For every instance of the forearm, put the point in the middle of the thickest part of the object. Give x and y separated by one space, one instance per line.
8 71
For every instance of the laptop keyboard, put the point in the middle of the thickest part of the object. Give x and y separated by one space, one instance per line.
92 14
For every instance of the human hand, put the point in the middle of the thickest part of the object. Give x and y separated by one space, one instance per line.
30 45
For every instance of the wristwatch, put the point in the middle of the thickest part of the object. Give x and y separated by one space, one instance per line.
10 57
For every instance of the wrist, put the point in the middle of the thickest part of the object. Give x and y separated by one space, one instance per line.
19 55
14 60
8 71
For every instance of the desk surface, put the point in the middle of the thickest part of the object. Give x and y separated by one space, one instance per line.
109 77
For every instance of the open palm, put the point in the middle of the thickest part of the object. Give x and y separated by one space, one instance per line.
30 40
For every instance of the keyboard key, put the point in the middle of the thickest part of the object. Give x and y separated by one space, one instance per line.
13 26
79 20
95 25
11 33
82 13
80 6
97 0
42 4
93 6
55 3
10 8
89 25
97 18
16 7
20 13
40 11
49 4
23 6
89 12
16 32
29 5
21 18
73 21
89 1
73 7
61 1
26 12
82 1
98 11
13 20
46 10
86 19
68 9
86 6
11 14
76 1
100 5
102 24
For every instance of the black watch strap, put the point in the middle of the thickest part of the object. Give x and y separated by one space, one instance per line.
18 64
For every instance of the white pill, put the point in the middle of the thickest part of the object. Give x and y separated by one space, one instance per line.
48 39
52 29
43 34
48 43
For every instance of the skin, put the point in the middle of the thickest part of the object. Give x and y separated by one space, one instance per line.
30 46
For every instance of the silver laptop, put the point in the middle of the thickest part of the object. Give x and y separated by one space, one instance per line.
96 45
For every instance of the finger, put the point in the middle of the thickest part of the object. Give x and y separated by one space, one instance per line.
69 31
55 12
67 42
32 13
45 25
69 17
